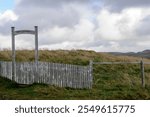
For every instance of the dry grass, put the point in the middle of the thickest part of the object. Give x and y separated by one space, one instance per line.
110 81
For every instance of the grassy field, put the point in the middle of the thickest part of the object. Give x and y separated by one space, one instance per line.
110 81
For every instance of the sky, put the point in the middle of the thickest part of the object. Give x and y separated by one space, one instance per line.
6 4
99 25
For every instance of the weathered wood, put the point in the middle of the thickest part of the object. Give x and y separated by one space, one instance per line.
91 73
62 75
13 53
36 48
18 32
115 63
24 32
148 63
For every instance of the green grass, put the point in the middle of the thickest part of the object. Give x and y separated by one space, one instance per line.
110 81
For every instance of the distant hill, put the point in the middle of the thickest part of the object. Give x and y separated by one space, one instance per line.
144 54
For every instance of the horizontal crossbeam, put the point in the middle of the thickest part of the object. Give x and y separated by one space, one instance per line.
24 32
116 63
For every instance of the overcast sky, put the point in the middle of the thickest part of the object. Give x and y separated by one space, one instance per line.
100 25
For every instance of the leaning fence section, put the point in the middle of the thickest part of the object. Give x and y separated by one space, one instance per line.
62 75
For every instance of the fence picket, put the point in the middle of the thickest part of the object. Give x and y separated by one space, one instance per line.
62 75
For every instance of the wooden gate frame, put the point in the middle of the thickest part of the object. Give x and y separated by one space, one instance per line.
18 32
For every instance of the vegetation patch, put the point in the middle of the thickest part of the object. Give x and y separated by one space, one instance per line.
109 81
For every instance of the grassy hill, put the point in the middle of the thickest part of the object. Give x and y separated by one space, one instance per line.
144 54
110 81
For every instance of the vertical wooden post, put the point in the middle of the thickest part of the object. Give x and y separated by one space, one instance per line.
13 54
36 44
36 50
142 73
91 72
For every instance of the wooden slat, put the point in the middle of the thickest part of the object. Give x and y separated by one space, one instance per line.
62 75
116 63
148 63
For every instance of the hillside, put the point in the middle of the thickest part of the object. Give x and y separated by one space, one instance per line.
144 54
110 81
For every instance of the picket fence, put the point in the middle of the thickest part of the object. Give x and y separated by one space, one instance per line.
62 75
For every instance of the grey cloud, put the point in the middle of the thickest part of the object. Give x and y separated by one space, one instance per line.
5 29
144 27
49 3
67 13
118 5
128 43
45 13
48 17
97 43
45 17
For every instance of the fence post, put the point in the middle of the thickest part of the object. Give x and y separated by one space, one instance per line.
91 72
142 73
36 45
36 54
13 54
